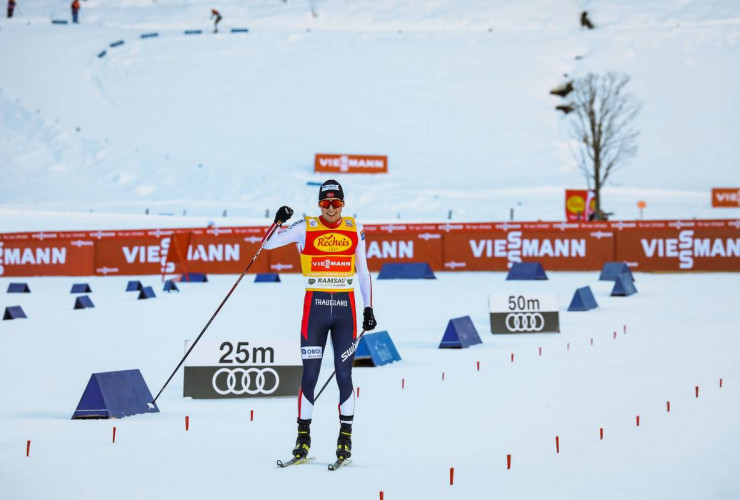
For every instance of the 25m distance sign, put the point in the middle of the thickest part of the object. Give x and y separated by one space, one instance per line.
518 313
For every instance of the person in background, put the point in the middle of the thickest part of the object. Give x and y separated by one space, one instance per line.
75 6
217 15
11 8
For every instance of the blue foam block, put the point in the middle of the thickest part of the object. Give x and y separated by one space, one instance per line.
525 271
170 286
147 293
460 333
194 278
115 395
81 288
583 300
18 288
611 270
624 286
134 286
14 312
267 278
377 349
83 302
406 271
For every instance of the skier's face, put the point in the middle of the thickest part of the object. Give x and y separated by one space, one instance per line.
332 211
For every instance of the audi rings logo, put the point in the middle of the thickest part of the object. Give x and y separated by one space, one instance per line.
525 322
246 384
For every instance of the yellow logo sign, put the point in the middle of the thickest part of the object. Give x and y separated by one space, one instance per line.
332 243
576 204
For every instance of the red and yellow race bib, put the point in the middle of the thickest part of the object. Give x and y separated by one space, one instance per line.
328 259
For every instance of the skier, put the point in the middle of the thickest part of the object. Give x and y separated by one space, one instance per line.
75 6
331 248
11 8
217 15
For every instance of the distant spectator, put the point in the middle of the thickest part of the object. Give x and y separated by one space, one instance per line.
585 21
75 6
11 8
217 15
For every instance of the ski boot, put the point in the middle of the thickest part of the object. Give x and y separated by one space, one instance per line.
344 442
303 441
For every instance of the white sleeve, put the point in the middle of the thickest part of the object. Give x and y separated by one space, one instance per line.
295 233
363 275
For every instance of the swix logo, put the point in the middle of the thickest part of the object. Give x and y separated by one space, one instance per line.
343 265
332 242
279 266
32 256
253 239
346 354
601 234
216 231
100 234
391 249
514 247
429 236
81 243
686 248
42 236
106 270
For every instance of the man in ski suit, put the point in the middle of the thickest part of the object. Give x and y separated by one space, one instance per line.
331 248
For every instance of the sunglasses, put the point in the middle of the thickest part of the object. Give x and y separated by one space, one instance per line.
331 203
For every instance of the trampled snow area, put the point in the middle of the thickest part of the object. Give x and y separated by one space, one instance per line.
681 332
456 93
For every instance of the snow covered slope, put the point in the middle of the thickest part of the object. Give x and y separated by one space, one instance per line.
455 92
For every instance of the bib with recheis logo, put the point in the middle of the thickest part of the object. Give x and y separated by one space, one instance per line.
328 259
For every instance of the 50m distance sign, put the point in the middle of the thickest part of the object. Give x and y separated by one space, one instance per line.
520 313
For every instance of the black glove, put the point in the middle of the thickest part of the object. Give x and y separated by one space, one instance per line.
283 214
368 319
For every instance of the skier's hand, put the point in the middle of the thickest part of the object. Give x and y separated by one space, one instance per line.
368 319
283 214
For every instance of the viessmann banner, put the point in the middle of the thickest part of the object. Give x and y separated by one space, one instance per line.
350 164
696 245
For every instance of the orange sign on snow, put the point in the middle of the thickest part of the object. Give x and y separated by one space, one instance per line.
351 164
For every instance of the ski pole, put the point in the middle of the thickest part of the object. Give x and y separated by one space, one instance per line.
262 245
357 341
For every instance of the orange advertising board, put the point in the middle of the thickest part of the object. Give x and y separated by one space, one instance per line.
726 197
694 245
680 246
350 164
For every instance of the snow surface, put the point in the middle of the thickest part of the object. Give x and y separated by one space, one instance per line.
681 332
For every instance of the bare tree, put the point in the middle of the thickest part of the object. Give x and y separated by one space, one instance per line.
603 127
